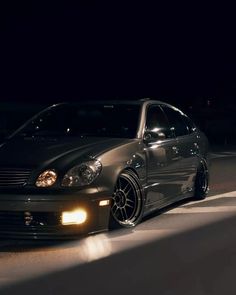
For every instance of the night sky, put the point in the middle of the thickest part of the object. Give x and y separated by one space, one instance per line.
66 51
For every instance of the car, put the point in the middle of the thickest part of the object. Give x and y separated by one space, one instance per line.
82 168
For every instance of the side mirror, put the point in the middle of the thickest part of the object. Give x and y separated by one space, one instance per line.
153 136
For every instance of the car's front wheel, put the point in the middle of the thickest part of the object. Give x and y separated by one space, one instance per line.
127 201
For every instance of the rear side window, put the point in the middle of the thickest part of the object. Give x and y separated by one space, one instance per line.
156 121
176 120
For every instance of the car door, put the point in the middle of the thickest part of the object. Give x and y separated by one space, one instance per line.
162 159
186 146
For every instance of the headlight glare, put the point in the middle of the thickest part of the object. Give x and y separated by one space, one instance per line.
83 174
47 178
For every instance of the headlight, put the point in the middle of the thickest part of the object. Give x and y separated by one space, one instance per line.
82 174
47 178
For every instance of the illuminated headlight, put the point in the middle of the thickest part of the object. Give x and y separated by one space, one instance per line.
83 174
47 178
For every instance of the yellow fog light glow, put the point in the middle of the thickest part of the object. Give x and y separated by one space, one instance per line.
104 203
74 217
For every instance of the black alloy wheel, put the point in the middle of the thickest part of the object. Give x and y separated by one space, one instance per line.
127 204
201 182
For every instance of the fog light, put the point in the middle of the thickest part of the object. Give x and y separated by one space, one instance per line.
74 217
104 203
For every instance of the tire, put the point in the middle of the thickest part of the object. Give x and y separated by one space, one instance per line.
201 182
127 201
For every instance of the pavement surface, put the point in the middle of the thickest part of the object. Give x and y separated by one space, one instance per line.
172 251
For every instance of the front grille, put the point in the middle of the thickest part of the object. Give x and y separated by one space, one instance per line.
13 177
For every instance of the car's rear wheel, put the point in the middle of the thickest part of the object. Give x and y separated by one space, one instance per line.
201 182
127 201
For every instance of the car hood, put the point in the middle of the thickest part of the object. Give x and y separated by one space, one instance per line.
42 152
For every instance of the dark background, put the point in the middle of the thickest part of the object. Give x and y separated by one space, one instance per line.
181 53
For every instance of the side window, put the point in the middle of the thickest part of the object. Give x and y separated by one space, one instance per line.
156 121
176 120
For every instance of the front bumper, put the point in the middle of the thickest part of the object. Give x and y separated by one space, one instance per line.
46 210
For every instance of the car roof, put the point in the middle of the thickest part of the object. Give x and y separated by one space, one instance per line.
117 102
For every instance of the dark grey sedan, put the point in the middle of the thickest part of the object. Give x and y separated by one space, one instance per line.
87 167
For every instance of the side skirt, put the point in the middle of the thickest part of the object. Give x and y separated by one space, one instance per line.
150 208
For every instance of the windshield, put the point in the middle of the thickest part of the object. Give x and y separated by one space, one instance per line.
108 120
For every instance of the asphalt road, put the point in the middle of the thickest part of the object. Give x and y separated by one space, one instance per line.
32 262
